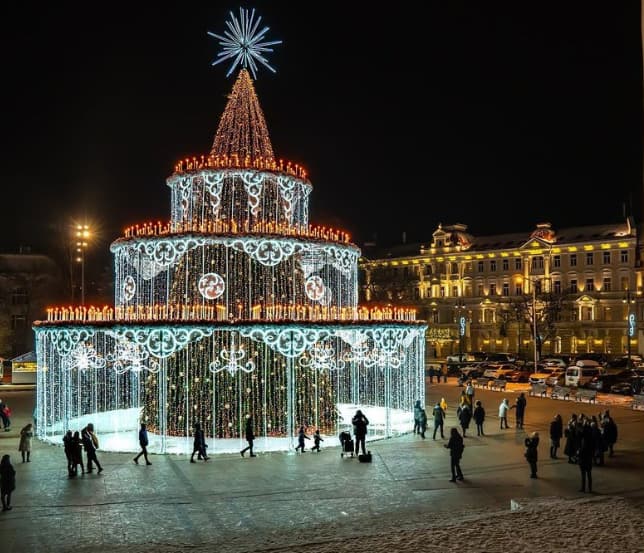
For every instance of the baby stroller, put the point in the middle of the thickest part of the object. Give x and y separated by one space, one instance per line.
347 444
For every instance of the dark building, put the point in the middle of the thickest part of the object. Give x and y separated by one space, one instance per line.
29 283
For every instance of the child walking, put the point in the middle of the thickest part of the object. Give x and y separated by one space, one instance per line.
301 436
316 441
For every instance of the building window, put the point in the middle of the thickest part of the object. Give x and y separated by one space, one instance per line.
518 289
442 292
586 313
19 296
624 283
455 291
556 261
435 317
537 262
623 256
506 289
606 258
573 286
18 322
606 285
538 288
492 289
517 263
590 285
573 259
506 264
481 268
480 290
590 258
493 265
557 286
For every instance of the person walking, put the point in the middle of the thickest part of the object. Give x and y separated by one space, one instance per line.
198 444
90 443
417 408
316 441
76 452
556 433
464 417
438 413
479 417
67 444
444 372
456 447
250 437
610 433
360 423
143 443
504 407
570 447
301 436
7 482
469 392
520 405
5 415
24 447
585 455
531 452
423 423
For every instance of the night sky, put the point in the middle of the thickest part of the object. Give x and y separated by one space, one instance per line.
494 115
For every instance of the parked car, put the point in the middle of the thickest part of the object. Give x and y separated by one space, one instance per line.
473 370
582 372
557 377
625 387
554 362
518 376
499 370
603 382
459 358
541 375
500 357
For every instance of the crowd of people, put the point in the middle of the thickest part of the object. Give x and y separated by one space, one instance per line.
588 439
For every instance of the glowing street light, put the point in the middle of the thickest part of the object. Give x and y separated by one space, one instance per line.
83 234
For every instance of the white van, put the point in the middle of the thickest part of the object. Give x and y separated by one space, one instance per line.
582 372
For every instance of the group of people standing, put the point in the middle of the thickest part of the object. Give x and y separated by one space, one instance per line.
74 443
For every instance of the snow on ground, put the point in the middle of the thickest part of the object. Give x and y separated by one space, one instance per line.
543 525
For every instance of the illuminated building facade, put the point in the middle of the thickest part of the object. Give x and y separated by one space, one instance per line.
237 306
582 285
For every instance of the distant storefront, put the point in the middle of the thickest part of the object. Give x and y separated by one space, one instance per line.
23 369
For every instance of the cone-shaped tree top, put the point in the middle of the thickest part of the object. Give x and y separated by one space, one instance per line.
242 129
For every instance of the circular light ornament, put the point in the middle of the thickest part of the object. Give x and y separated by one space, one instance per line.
129 287
314 288
211 286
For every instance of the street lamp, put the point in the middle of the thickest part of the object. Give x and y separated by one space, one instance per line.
462 323
631 323
83 234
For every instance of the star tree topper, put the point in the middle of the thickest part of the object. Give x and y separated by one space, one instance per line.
242 43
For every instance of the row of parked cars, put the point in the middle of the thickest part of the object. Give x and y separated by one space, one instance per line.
615 376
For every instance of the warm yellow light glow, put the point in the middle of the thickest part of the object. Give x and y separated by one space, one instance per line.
623 244
605 246
480 256
491 255
572 249
589 247
556 250
505 254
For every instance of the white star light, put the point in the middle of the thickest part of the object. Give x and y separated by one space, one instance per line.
242 43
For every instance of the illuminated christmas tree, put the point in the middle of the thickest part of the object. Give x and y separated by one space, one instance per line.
237 306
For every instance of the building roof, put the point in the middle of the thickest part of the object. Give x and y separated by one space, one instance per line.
514 240
29 357
26 263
